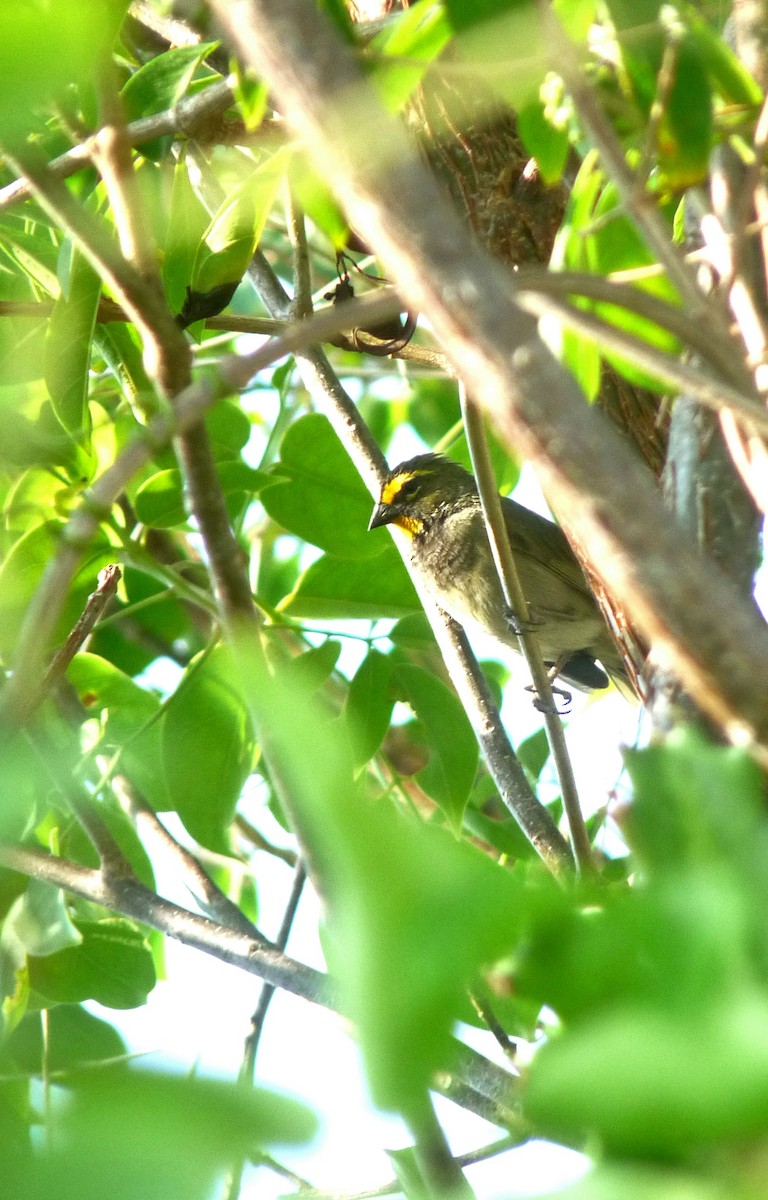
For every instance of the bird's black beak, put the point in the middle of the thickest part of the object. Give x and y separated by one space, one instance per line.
383 514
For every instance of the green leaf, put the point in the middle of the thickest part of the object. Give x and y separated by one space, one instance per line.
130 726
534 752
252 98
695 803
414 633
730 77
160 499
466 14
187 223
113 965
319 495
228 428
453 752
411 41
340 589
126 1134
368 707
501 40
160 83
24 781
597 237
23 342
312 668
550 146
409 1173
74 1038
647 1082
685 130
68 344
234 231
505 835
576 16
318 202
23 569
640 1181
46 48
39 920
207 748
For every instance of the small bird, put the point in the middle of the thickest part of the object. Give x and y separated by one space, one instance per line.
435 502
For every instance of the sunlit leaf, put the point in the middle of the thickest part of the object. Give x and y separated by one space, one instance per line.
68 344
369 706
207 748
161 82
318 495
338 588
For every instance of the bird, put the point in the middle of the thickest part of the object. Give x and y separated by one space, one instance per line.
435 502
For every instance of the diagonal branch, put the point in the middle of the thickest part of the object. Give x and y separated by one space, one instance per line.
132 899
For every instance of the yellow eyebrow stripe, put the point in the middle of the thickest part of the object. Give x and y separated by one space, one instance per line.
392 489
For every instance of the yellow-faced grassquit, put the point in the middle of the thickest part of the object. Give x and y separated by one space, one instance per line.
435 502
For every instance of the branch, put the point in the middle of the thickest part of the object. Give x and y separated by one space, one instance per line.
198 881
184 118
676 600
487 1089
517 603
97 602
132 899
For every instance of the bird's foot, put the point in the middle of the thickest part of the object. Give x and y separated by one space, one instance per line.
543 706
517 625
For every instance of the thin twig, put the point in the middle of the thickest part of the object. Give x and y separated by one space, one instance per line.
207 893
482 1007
267 991
394 1187
95 605
259 842
517 602
250 1051
183 118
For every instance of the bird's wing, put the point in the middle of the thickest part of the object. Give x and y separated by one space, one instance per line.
544 542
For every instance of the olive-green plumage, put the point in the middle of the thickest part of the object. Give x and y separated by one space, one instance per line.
435 502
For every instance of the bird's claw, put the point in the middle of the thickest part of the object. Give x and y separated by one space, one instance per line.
542 707
517 625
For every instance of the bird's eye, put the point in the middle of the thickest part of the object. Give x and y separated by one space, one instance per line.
410 488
